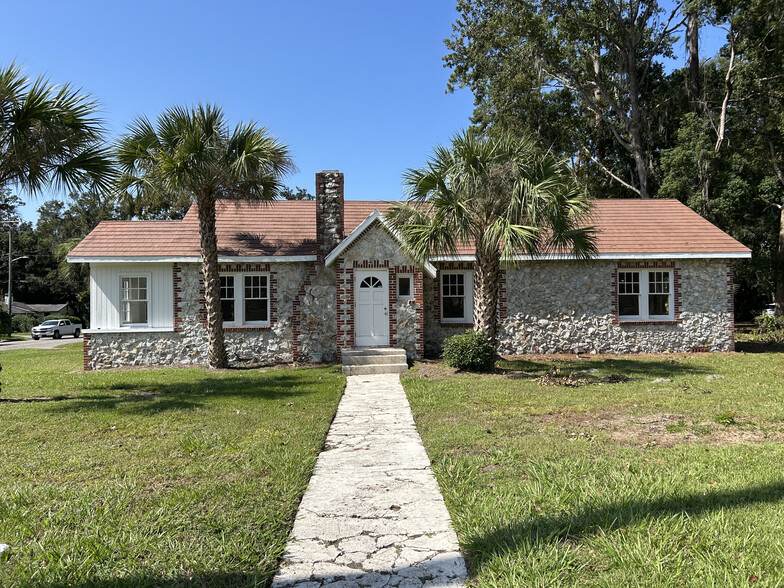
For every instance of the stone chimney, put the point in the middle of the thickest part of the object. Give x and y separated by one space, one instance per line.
329 212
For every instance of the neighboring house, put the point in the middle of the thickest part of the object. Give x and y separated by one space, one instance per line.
303 280
39 311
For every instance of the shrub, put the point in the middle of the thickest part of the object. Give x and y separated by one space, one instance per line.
22 323
73 319
770 328
5 323
470 351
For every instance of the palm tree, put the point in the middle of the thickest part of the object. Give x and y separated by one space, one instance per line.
503 196
49 135
193 151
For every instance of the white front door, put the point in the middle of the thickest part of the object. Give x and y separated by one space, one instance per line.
371 308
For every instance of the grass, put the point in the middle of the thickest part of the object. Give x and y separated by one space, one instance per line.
562 478
152 477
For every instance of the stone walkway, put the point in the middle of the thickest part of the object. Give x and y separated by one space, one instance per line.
373 514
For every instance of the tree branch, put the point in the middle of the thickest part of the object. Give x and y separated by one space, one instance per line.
776 167
612 175
728 94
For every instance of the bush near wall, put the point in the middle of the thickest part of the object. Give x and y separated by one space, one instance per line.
471 351
73 319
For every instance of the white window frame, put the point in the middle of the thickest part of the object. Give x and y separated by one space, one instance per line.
468 292
148 300
234 277
239 300
410 295
644 314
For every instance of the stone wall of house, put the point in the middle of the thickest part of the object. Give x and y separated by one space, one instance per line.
565 307
316 331
188 344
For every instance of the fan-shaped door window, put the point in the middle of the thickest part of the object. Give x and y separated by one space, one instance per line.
371 282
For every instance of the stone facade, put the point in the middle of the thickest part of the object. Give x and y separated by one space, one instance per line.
546 307
377 249
187 344
315 316
329 211
567 307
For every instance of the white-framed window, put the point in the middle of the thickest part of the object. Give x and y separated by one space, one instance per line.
227 298
457 297
645 295
134 300
405 286
245 299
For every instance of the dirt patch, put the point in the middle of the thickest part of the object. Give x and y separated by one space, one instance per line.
656 430
432 370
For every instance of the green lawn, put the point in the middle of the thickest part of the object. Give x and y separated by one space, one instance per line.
152 477
674 483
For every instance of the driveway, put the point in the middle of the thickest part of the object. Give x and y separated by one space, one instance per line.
45 343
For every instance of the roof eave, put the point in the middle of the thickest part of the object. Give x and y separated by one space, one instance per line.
377 215
614 255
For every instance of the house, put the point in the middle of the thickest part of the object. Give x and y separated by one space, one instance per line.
39 311
304 280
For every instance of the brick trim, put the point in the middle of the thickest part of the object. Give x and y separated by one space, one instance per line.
676 291
502 299
177 279
731 303
87 352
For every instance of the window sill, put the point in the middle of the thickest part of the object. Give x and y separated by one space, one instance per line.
247 328
448 323
129 330
638 322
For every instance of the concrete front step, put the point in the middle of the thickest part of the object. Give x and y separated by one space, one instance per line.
374 360
372 351
367 370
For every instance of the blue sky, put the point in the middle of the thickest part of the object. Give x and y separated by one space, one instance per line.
351 85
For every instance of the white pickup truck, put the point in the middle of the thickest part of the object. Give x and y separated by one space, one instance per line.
56 328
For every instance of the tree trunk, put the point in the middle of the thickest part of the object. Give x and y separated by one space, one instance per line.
636 137
693 47
487 278
779 295
210 272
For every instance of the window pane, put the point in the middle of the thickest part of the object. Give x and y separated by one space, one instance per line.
135 312
659 282
454 307
659 304
255 310
404 286
628 305
227 307
227 287
453 284
628 283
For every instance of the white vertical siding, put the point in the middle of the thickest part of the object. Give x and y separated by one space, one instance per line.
105 293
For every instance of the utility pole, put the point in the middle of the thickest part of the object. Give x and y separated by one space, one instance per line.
11 260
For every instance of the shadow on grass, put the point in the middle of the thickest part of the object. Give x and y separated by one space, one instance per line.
602 519
632 368
154 397
759 347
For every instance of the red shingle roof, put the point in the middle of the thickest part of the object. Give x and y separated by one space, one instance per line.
284 228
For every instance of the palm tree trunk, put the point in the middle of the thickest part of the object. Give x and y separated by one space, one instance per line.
487 277
209 268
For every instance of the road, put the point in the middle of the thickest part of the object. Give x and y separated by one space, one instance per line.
45 343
